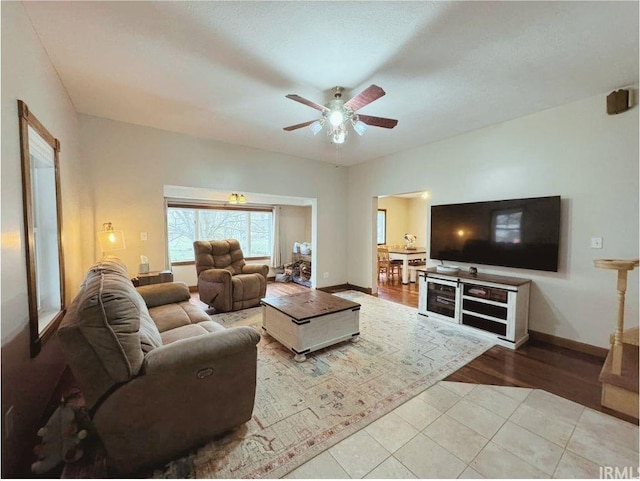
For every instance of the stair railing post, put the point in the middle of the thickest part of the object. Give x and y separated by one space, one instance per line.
617 340
622 266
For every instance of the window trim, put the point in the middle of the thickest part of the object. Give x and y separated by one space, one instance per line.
196 205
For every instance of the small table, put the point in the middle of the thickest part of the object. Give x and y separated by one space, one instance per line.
156 277
309 321
407 255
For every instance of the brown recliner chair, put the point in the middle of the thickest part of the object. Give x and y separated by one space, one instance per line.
225 281
158 376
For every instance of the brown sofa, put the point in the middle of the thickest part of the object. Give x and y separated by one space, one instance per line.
225 281
158 375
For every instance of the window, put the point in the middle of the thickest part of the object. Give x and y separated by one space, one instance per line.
253 228
382 227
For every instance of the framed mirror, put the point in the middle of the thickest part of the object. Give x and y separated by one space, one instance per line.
42 207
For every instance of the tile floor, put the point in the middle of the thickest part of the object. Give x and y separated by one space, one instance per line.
459 430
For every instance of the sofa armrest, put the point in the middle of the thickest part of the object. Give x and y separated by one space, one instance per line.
198 350
190 391
256 269
166 293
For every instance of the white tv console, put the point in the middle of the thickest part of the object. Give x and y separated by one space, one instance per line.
495 306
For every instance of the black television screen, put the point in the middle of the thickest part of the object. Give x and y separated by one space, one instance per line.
512 233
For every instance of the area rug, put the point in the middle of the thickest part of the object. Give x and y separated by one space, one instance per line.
301 409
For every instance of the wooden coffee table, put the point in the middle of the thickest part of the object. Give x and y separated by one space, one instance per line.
309 321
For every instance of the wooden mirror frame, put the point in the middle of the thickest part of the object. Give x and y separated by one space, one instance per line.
26 120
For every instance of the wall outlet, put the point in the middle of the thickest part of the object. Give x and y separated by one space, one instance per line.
9 422
143 236
596 242
325 275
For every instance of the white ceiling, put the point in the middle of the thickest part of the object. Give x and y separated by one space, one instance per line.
221 70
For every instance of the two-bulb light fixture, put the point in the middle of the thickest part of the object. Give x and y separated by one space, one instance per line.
338 116
237 199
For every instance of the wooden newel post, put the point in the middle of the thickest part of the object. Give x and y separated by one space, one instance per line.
623 267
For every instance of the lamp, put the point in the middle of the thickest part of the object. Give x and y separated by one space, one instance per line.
359 126
110 239
237 199
317 126
340 116
337 116
339 136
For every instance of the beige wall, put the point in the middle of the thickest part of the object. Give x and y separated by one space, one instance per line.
295 226
418 220
405 215
27 74
576 151
397 218
129 166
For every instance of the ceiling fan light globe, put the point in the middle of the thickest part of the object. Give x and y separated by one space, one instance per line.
336 118
360 127
316 127
339 137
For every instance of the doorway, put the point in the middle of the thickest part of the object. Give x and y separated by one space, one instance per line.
397 216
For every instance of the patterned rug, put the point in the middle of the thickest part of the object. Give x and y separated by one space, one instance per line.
301 409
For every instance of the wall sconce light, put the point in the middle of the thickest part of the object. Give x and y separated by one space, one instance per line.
237 199
110 239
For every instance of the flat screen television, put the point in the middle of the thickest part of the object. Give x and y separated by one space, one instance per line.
521 233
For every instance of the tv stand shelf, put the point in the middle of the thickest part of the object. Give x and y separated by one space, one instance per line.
497 306
484 278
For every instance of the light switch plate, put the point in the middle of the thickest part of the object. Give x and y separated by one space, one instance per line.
596 242
143 236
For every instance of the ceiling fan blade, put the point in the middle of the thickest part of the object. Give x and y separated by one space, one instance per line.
378 121
298 126
368 95
304 101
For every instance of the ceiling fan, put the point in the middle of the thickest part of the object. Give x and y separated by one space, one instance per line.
338 114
